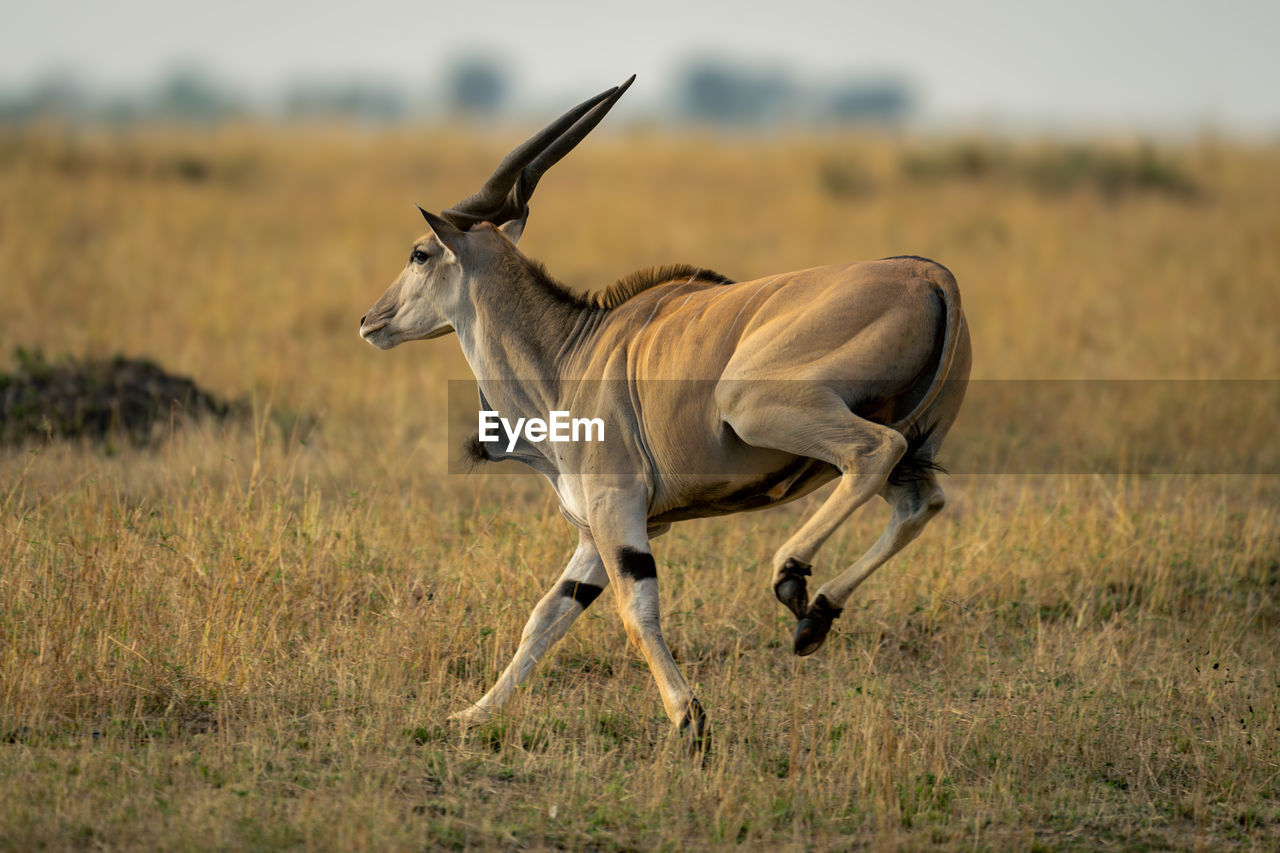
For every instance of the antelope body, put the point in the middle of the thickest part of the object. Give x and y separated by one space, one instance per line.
717 397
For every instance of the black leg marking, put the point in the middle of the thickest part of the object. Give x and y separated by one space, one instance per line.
812 630
636 565
694 728
583 593
793 590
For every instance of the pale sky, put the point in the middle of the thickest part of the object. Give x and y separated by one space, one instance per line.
1178 64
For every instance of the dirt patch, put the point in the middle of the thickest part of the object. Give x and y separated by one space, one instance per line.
98 399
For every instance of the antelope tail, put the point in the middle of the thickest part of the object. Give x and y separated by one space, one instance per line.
944 284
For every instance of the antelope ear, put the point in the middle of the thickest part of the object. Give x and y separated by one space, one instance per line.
513 229
451 237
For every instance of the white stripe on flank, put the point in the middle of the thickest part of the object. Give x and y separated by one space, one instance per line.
748 302
665 297
686 284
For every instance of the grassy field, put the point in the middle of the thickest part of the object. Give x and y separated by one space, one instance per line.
250 635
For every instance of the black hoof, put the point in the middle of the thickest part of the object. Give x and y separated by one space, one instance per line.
812 630
694 729
792 590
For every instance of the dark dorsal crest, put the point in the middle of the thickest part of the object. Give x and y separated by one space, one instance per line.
624 288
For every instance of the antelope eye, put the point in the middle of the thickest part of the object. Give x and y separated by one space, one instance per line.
418 256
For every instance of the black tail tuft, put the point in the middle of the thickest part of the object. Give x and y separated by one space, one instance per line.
916 464
474 453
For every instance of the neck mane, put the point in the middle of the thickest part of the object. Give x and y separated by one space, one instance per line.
624 288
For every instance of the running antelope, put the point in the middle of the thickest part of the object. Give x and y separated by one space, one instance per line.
718 397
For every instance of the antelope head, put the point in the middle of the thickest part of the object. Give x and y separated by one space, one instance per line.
466 240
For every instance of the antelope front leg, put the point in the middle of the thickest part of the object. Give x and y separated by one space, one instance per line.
618 524
579 585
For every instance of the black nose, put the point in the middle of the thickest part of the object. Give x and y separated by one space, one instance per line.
362 319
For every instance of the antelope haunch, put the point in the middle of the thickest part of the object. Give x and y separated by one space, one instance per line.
719 397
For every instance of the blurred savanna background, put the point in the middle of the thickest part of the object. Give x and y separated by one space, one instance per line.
240 590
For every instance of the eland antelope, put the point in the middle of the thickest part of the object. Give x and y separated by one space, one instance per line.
719 396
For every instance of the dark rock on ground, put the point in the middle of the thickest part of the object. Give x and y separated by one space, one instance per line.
97 399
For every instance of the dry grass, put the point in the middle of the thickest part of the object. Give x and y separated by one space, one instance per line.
250 636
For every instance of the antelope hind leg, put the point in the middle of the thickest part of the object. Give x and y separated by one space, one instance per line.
791 588
816 423
914 504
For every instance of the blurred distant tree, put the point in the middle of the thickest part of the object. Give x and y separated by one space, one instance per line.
190 94
744 95
721 92
353 99
477 86
58 94
884 100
